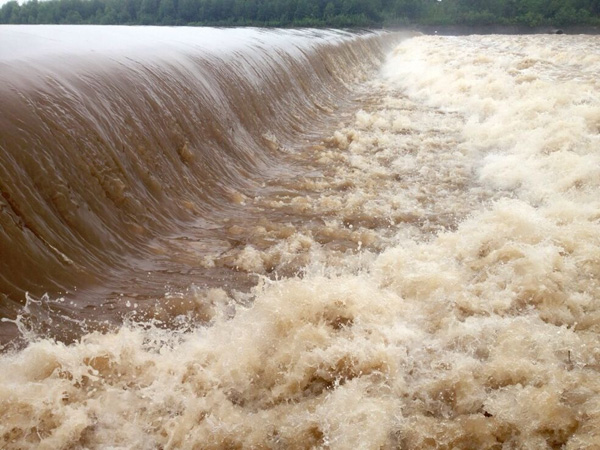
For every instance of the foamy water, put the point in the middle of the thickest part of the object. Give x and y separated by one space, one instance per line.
127 153
450 295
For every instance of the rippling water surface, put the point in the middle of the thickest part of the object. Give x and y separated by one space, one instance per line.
299 239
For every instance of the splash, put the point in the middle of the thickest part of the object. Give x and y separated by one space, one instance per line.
125 150
448 233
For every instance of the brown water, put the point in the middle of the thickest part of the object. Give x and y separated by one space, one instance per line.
127 154
312 254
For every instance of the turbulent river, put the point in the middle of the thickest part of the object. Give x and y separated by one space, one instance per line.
294 239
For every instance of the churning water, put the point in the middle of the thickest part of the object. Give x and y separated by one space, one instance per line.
299 239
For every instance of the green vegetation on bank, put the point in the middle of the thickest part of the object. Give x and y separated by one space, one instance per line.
314 13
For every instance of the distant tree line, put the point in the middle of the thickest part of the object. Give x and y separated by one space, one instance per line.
314 13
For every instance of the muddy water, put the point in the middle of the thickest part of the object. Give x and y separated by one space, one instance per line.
415 267
127 154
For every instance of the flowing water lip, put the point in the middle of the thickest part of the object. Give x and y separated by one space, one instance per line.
117 142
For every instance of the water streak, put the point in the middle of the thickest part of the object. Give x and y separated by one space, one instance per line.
449 233
119 143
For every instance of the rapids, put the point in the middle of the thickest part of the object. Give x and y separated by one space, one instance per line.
126 153
363 256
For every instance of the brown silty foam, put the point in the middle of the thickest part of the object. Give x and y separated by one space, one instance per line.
412 263
115 159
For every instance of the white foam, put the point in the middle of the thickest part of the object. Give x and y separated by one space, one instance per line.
476 326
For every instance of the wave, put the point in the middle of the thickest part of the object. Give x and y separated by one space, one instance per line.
448 232
113 137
